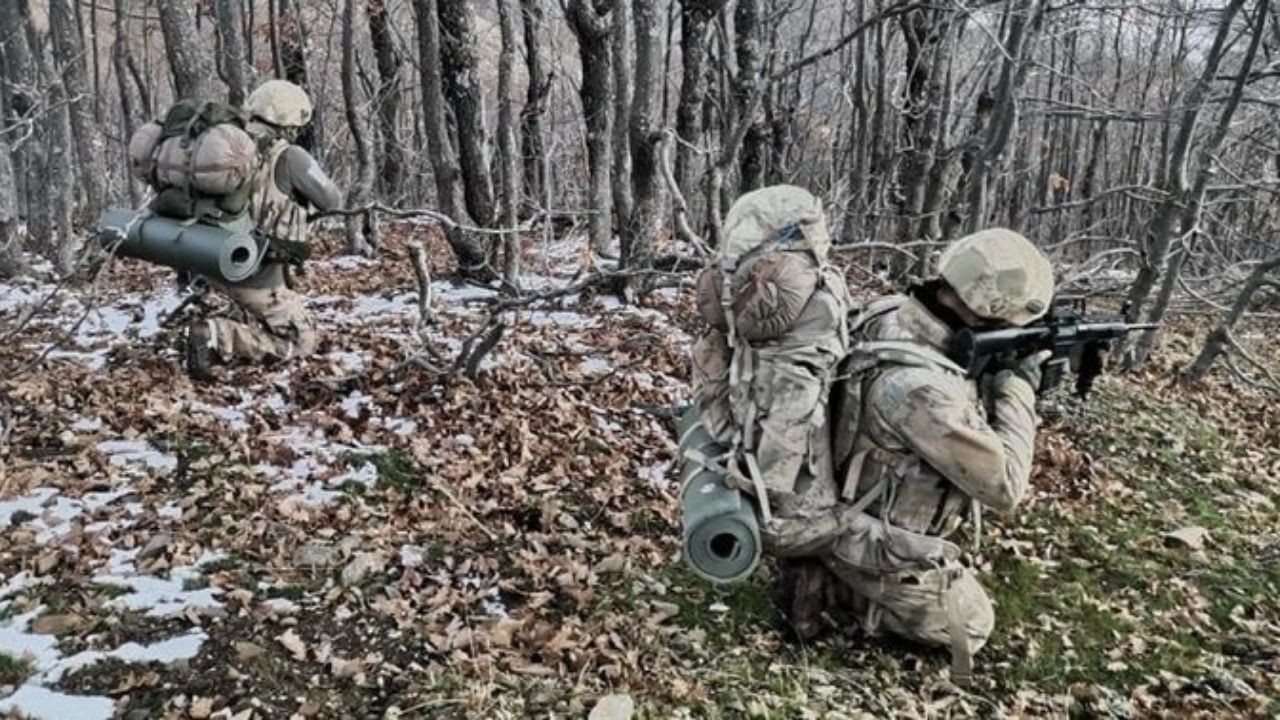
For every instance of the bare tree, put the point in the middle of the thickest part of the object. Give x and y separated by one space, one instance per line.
1175 186
695 25
69 54
17 91
591 24
533 149
1193 202
358 232
746 25
189 60
459 67
293 57
472 251
1221 340
622 50
646 135
231 53
507 143
391 171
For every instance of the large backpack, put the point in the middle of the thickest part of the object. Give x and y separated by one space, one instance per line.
200 160
763 372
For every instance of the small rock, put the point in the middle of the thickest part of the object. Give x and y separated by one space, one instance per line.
613 707
155 546
246 650
57 624
316 555
201 708
612 564
47 562
1189 538
360 567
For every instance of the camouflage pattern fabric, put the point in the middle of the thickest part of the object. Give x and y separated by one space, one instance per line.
273 322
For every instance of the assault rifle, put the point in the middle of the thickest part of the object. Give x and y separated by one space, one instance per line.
1074 340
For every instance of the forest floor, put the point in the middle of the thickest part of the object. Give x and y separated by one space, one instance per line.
350 538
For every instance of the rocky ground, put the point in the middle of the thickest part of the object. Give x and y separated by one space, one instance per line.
357 537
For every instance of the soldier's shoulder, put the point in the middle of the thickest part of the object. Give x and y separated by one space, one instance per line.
896 385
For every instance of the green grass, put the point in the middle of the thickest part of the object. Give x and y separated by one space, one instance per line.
396 470
1112 578
14 670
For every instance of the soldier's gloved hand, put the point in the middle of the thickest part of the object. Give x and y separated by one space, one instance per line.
1029 369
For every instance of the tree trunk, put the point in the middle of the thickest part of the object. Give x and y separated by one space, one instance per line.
69 53
925 32
1220 338
695 20
15 83
622 49
746 25
535 103
359 240
231 64
1192 210
293 54
1023 26
591 25
189 60
10 242
391 166
646 135
472 251
459 60
507 144
50 219
128 114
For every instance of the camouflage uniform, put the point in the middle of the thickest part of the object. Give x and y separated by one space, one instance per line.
916 451
270 320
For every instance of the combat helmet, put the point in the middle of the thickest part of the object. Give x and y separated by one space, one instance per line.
280 103
999 275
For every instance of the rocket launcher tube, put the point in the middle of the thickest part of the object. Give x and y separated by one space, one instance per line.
215 252
721 532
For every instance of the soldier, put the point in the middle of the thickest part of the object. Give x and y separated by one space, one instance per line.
918 447
273 323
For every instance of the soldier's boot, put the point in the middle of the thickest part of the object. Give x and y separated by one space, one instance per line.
199 355
805 592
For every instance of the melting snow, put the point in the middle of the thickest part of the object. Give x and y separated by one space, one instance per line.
37 703
33 700
542 318
130 452
400 426
595 366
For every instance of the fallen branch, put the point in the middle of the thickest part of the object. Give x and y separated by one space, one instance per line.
422 273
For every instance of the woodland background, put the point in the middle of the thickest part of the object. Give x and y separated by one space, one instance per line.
465 504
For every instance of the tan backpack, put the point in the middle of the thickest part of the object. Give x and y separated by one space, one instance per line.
763 373
200 160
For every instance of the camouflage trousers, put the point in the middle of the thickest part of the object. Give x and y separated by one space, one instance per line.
269 320
943 608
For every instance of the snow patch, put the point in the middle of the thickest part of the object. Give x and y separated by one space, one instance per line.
38 703
123 453
595 366
161 598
